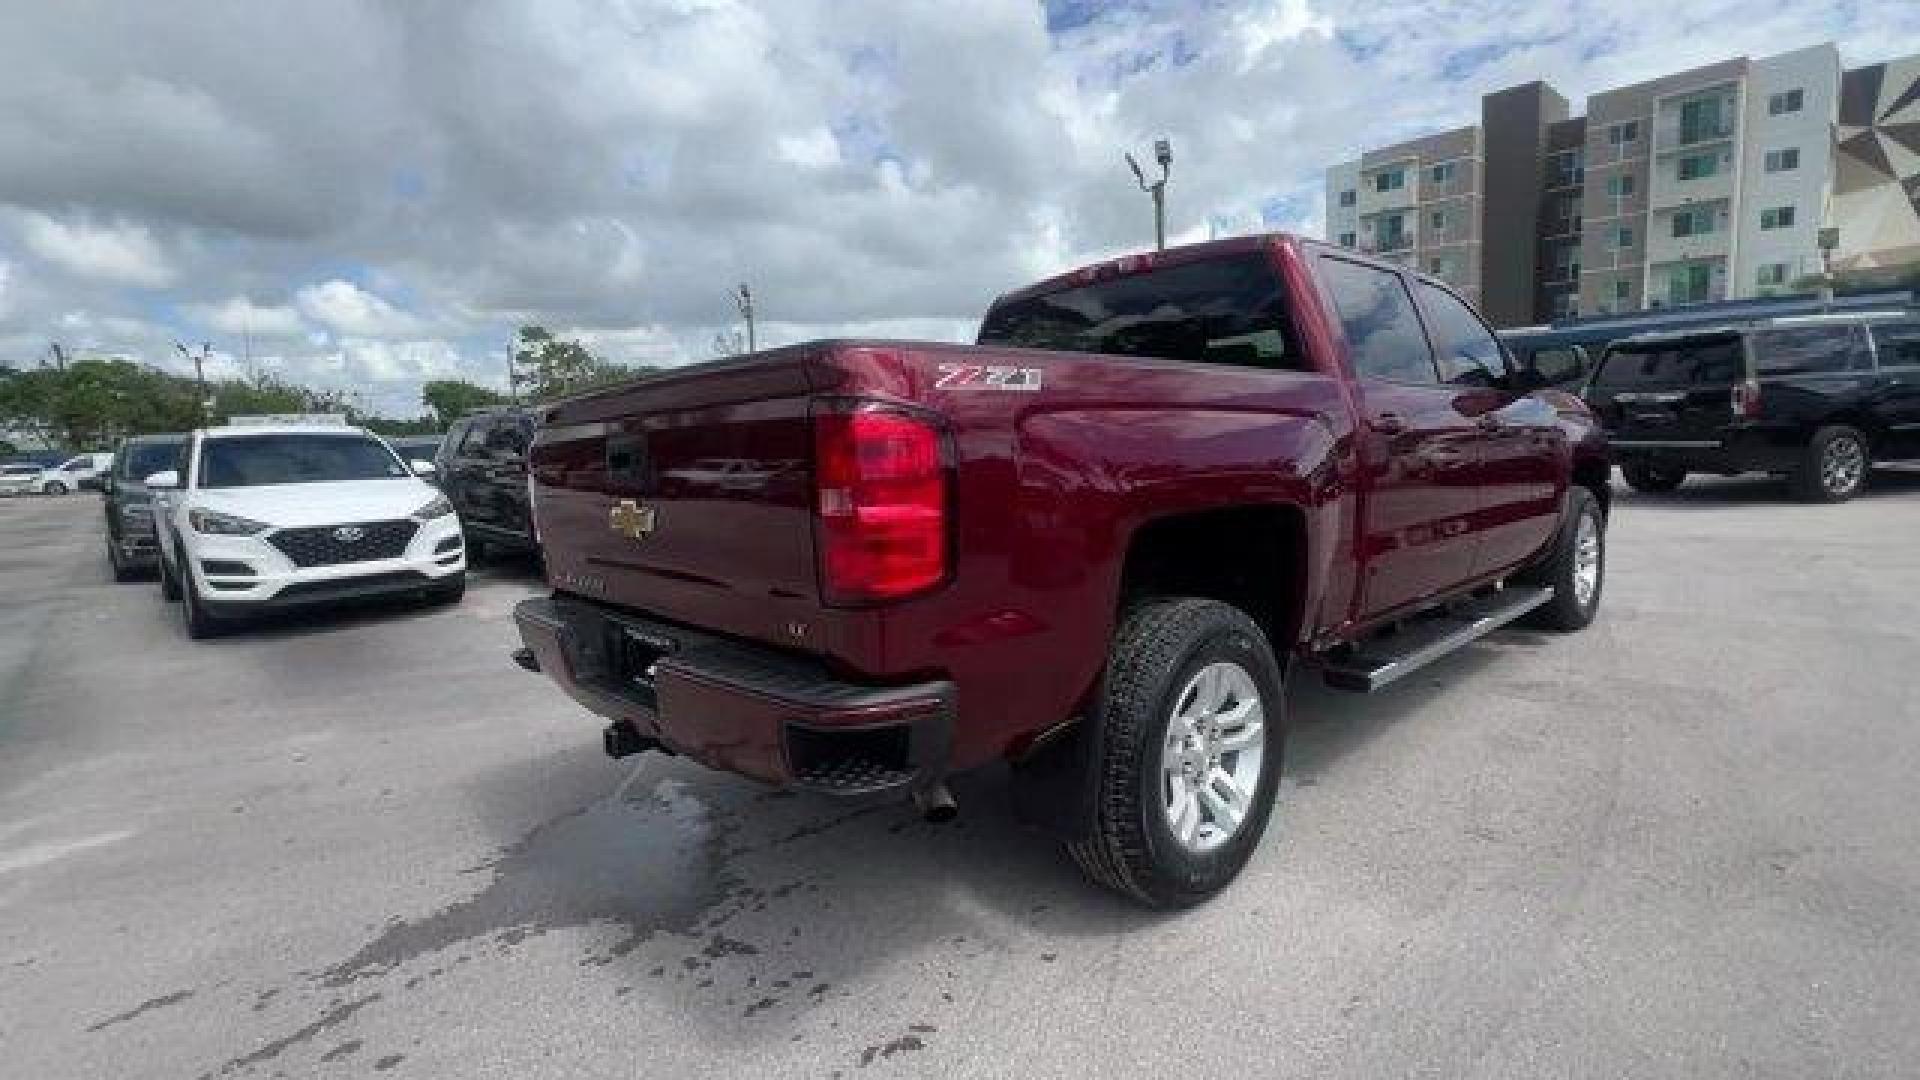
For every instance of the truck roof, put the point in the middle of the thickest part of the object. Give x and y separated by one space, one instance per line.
1144 261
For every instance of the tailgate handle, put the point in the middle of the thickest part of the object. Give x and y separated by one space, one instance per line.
1389 423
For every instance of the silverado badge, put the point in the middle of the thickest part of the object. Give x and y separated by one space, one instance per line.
630 519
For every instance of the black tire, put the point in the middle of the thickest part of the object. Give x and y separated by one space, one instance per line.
1568 611
449 591
476 547
1161 645
1823 476
200 623
1652 479
55 488
169 585
121 571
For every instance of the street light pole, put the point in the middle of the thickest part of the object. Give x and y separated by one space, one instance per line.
199 372
1162 153
744 301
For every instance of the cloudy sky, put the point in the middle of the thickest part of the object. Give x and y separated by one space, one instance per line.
375 193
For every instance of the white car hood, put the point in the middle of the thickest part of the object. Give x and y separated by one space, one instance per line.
286 506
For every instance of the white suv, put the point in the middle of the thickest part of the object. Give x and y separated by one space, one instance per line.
255 518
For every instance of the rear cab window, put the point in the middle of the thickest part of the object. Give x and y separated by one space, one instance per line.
1228 310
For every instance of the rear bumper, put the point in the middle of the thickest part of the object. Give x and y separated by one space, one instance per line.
774 716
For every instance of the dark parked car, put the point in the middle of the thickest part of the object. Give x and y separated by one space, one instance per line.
483 468
130 544
412 448
1816 400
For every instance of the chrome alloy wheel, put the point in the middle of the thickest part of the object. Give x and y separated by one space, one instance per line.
1586 560
1842 465
1211 760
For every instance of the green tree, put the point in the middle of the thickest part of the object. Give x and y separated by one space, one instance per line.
449 399
547 367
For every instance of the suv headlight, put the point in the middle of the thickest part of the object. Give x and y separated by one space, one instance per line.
439 507
215 523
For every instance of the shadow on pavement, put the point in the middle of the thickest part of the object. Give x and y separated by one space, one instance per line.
1708 492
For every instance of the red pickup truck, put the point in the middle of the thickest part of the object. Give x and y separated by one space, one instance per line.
1094 545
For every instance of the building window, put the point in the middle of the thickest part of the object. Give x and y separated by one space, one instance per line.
1437 220
1777 217
1346 239
1348 197
1785 160
1437 266
1622 237
1621 186
1391 180
1690 284
1622 290
1787 101
1622 134
1392 233
1699 166
1441 173
1567 167
1773 274
1696 221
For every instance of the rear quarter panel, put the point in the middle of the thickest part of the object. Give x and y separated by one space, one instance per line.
1052 483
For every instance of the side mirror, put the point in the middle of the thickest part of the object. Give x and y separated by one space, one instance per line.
163 481
422 467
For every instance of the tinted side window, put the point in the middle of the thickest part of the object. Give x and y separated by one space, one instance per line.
474 442
1898 344
1556 365
1809 350
1467 350
1383 333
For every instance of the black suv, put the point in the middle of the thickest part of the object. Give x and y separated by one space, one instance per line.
130 544
1816 399
483 469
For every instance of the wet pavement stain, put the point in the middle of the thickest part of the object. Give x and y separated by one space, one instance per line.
388 1062
345 1049
146 1006
338 1013
650 865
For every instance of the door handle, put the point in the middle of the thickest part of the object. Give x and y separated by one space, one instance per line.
1488 422
1390 423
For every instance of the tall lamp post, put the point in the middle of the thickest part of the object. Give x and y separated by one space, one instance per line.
744 301
1163 153
199 374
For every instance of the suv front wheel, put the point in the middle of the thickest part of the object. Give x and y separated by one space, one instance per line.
1652 479
1836 466
1193 723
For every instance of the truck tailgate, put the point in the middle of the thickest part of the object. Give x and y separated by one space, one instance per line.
686 495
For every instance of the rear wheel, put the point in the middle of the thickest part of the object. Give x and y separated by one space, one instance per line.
476 547
1193 724
1575 571
55 487
121 571
449 591
1651 478
1836 466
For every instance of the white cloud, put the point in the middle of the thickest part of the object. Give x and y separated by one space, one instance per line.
238 316
119 253
350 311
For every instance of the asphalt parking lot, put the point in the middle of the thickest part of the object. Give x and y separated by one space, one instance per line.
1683 843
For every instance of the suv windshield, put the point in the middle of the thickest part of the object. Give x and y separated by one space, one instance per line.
1803 350
1221 311
1675 363
139 460
293 458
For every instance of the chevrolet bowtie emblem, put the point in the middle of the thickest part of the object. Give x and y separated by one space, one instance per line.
630 519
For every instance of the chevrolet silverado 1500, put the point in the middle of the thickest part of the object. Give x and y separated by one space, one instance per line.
1094 545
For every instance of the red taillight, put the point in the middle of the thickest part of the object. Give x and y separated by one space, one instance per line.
1746 399
880 485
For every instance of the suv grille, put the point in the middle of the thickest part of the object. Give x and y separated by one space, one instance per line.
330 545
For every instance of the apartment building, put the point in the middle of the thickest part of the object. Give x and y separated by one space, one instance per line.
1708 184
1417 203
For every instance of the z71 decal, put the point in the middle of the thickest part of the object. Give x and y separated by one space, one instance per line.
987 377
